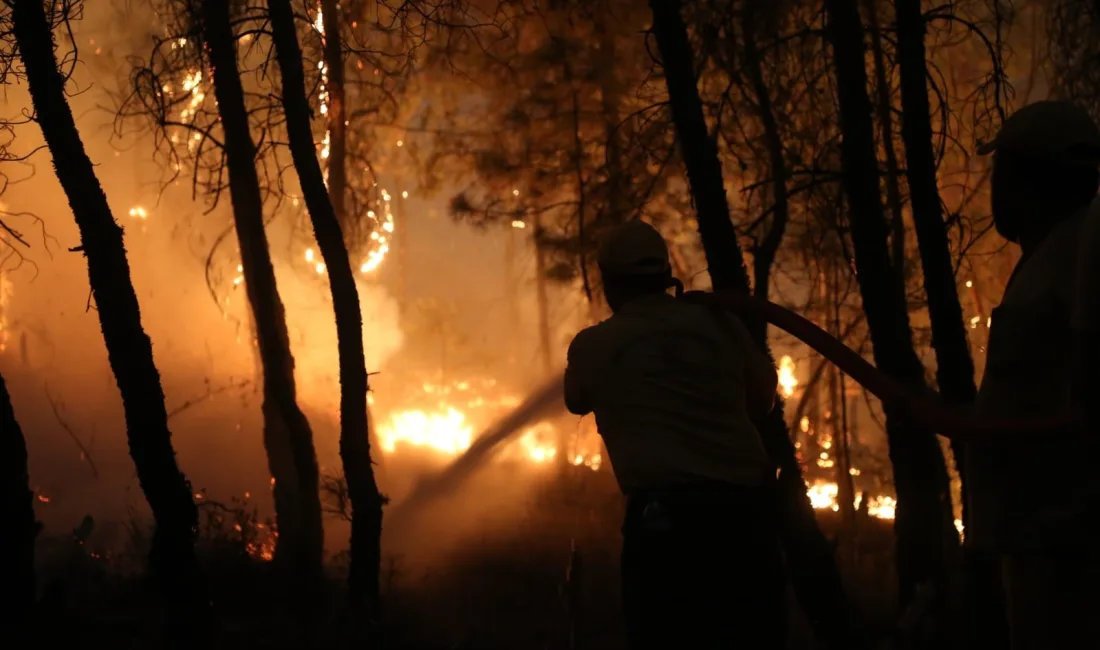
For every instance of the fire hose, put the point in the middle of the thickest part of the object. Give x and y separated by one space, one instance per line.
926 409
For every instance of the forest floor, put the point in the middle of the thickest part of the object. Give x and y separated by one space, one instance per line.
548 580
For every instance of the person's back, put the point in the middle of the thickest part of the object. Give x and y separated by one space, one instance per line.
675 388
667 386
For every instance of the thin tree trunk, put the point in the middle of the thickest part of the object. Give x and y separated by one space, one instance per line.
129 351
542 298
954 365
288 438
885 110
616 207
366 502
920 474
17 535
764 255
337 114
809 554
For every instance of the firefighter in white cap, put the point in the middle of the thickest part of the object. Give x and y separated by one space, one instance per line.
676 389
1033 502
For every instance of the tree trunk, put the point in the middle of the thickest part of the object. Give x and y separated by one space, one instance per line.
616 207
885 110
764 256
542 299
337 115
920 474
954 365
366 502
17 579
288 438
129 351
809 554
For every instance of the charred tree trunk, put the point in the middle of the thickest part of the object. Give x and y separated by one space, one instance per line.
920 474
954 365
366 502
129 351
809 554
337 115
17 535
288 438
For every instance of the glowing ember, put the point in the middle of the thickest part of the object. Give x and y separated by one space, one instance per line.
138 212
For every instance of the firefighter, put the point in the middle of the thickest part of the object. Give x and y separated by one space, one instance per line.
1031 500
676 389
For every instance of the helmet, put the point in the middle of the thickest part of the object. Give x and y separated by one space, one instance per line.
1053 131
634 249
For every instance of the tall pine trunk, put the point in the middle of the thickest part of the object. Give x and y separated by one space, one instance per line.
20 528
954 365
366 502
129 351
288 438
920 474
810 556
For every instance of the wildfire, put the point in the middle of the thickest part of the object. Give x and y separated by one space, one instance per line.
461 409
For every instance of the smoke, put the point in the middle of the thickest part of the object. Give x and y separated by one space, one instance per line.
449 315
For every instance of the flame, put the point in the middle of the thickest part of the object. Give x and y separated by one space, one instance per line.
462 408
446 432
824 495
6 291
787 381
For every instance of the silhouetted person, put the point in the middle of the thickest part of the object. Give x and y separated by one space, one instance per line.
1034 500
675 388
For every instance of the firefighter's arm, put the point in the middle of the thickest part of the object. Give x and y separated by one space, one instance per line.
576 397
1085 318
762 380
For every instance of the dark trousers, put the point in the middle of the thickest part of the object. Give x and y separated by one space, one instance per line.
702 569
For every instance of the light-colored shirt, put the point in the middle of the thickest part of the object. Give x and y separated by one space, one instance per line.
669 388
1034 492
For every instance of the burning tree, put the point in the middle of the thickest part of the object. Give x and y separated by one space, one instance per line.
129 350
